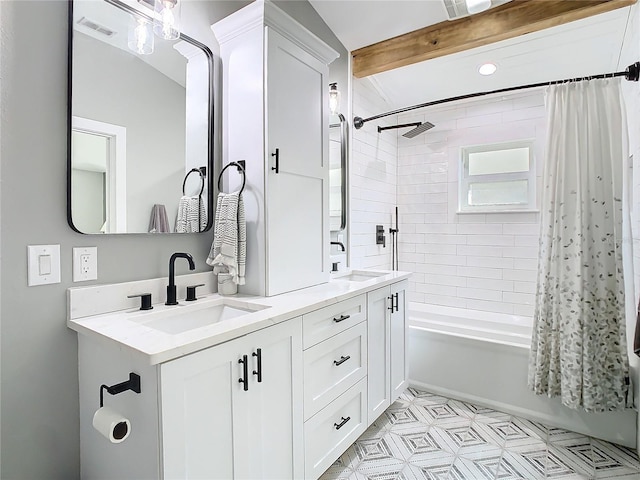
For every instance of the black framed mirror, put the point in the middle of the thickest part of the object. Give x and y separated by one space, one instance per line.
140 124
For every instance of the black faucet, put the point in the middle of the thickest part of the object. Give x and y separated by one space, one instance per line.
171 288
340 244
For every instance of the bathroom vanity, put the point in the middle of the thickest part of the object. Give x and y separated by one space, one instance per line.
240 387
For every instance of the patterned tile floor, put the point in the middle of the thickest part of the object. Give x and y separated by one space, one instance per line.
427 436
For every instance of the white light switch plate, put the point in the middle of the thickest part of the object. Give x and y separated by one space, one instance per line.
43 264
85 264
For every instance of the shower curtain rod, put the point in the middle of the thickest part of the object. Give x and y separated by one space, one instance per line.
632 73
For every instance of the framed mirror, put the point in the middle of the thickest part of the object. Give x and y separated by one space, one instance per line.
140 123
337 172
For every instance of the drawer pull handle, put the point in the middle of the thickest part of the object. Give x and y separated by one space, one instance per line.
245 372
342 360
391 307
341 318
342 422
259 359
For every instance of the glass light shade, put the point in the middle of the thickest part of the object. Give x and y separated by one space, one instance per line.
140 38
477 6
166 22
334 98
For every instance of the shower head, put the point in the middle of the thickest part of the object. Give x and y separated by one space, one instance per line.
423 127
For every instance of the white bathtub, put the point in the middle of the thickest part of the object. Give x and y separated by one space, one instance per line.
482 358
499 328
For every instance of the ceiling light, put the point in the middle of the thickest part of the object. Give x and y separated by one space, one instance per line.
487 69
140 36
166 23
477 6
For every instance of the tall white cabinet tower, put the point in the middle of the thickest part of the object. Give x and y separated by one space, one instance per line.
275 117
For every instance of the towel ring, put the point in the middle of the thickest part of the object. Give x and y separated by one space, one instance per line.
240 167
202 175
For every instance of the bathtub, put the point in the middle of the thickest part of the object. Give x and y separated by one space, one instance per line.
482 358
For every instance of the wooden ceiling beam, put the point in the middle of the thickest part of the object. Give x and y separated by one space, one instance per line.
512 19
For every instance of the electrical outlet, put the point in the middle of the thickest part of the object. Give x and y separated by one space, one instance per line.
85 264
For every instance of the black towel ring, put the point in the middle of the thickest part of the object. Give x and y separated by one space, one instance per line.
240 166
202 175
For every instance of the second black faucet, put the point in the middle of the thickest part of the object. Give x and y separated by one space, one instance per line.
171 288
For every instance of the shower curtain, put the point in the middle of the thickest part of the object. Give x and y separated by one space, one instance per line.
578 350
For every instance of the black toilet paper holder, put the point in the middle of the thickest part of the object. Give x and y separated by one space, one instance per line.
132 384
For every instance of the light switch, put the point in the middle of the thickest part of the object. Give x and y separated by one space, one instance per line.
43 264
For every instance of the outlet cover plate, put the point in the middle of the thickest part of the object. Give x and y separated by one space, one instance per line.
43 264
85 264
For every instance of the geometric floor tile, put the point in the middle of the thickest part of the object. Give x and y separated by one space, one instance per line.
424 436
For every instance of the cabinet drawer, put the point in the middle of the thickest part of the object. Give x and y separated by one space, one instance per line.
331 367
329 321
330 432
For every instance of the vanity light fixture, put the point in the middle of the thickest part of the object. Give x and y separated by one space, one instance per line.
140 36
487 69
477 6
334 98
166 22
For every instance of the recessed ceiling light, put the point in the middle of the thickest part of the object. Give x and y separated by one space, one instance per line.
487 69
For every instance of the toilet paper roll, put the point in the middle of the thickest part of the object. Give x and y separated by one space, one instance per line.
111 424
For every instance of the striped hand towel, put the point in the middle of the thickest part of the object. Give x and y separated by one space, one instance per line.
192 216
229 249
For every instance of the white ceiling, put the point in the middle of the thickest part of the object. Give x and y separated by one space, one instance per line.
581 48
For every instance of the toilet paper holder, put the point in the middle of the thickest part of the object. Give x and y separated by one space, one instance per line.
132 384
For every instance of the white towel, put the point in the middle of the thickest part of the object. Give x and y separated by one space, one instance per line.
229 249
192 216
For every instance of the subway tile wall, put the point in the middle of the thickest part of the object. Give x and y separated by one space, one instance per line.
480 261
373 167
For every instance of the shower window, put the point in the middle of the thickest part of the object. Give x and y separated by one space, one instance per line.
497 177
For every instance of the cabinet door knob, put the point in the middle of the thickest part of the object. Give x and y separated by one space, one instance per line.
342 422
342 318
342 360
245 372
277 155
258 355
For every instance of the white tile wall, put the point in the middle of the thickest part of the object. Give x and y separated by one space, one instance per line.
485 261
373 180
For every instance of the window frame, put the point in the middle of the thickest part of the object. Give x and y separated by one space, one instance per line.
465 180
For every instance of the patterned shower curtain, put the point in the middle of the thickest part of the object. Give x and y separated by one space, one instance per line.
578 349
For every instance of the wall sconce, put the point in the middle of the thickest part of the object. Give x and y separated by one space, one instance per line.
166 21
334 98
140 39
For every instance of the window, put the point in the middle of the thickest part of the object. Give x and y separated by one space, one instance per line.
497 177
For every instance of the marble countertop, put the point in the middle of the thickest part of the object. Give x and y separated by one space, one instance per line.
127 327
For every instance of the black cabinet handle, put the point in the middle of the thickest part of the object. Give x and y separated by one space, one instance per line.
258 354
391 307
245 372
397 304
342 318
277 155
342 360
342 422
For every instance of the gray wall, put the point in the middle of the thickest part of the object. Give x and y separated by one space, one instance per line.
38 354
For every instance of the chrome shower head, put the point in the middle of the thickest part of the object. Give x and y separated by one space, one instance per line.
423 127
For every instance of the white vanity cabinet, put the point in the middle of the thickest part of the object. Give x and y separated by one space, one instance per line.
235 410
387 347
275 117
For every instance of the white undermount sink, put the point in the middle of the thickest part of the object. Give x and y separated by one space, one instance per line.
360 276
184 318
